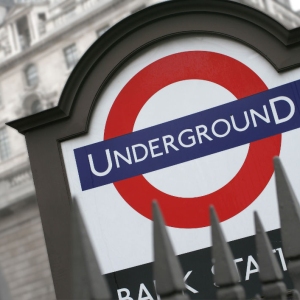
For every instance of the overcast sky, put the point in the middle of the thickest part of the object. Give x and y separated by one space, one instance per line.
295 4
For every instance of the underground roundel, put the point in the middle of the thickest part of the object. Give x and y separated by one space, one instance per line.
127 156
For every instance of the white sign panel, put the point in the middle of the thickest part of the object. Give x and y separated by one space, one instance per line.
190 122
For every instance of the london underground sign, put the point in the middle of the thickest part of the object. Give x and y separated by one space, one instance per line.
187 103
193 102
190 137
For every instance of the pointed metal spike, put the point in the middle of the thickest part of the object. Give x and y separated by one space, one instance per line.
167 269
226 273
225 269
289 211
80 286
274 291
294 272
269 269
88 283
295 295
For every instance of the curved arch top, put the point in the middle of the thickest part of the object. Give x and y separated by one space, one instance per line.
239 22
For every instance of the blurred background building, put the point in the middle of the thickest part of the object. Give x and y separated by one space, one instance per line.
40 43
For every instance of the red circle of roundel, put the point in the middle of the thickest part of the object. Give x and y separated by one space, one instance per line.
254 174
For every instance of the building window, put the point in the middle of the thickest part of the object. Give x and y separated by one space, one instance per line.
31 75
36 107
71 56
32 105
41 23
4 144
23 33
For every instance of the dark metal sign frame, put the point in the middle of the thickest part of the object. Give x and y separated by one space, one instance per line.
46 130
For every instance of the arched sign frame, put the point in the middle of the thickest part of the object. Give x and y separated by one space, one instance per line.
46 130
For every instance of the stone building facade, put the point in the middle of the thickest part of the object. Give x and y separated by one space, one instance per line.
40 43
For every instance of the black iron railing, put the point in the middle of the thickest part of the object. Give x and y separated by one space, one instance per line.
89 284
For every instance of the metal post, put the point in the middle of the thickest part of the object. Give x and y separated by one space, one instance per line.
295 295
226 273
87 281
167 270
289 211
269 270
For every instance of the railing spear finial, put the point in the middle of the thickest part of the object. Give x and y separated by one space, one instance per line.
295 295
289 211
87 281
167 270
269 270
225 271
